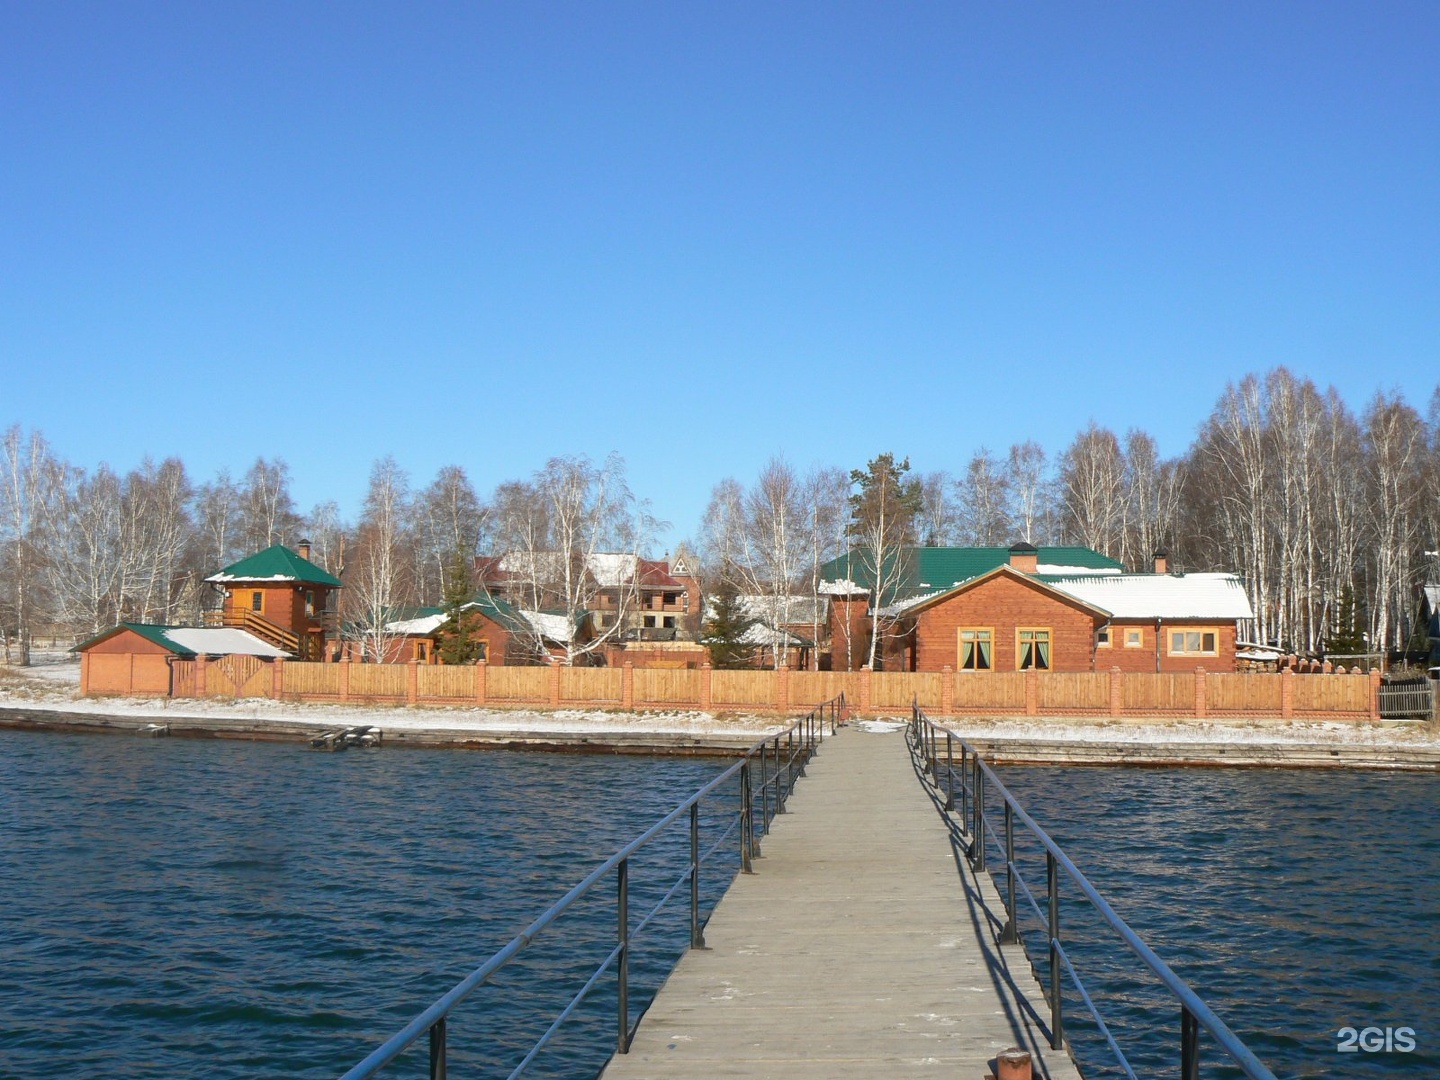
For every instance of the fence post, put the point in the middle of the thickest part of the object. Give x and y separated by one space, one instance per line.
1375 695
627 686
1032 692
1287 693
554 684
865 690
947 691
1117 692
1200 702
782 687
345 676
85 672
277 678
412 681
480 667
202 664
705 694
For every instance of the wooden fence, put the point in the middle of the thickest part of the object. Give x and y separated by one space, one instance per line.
948 693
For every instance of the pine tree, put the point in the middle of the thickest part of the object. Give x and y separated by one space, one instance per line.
1347 638
725 629
457 640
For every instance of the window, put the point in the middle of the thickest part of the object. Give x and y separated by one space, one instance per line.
1102 638
257 601
975 650
481 648
1134 638
649 620
1032 650
670 622
309 603
1194 642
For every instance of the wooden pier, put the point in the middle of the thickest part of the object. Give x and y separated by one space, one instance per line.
862 946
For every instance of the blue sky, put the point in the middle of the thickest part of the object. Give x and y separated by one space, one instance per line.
699 234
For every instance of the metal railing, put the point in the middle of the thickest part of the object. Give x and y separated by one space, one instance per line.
937 746
779 760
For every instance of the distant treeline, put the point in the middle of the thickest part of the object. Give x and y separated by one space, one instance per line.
1317 506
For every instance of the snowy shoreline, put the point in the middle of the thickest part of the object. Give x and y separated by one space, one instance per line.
46 696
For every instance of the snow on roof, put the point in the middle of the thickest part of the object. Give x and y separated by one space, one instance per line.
1161 596
610 569
843 587
779 610
421 627
1075 571
221 640
553 627
898 608
757 634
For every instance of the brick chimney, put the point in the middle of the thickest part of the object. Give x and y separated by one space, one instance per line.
1024 557
1162 561
304 550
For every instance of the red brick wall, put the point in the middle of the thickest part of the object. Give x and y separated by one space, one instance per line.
127 663
1143 658
1004 604
284 604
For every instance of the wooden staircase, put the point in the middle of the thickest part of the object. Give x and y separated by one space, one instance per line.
264 629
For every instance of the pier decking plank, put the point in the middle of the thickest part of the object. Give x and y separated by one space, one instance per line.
862 946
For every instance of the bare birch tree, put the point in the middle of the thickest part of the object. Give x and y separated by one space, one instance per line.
378 583
24 463
1028 487
882 527
983 499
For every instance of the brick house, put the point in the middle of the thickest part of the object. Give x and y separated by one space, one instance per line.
650 610
1055 609
282 598
507 635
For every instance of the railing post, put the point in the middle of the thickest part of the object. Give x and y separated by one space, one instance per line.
977 848
437 1050
949 772
622 965
964 793
745 838
765 793
697 936
779 788
1057 1022
1189 1045
1009 936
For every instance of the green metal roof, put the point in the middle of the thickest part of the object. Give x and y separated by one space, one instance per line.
276 563
927 569
152 632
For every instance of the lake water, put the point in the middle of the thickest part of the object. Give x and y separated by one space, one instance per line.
192 908
1296 903
175 908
